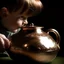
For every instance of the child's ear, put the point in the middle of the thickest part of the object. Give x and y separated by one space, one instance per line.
4 12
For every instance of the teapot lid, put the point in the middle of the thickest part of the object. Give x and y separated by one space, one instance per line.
31 26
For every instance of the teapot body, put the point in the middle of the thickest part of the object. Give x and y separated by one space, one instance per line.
36 44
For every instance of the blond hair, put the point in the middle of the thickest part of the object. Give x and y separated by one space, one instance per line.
33 7
28 7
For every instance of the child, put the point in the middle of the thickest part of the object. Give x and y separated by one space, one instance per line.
13 15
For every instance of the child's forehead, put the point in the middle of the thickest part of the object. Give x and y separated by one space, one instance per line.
20 8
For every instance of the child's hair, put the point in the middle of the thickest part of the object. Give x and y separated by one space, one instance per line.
29 7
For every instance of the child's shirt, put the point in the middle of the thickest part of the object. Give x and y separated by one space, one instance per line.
7 33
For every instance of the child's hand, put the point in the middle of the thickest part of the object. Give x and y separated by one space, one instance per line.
4 42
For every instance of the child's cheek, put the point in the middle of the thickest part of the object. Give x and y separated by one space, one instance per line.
20 22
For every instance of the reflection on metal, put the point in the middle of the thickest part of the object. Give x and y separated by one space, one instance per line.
39 31
48 43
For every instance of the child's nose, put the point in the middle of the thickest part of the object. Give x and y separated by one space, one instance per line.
25 22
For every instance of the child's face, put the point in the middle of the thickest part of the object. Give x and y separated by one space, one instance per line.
15 19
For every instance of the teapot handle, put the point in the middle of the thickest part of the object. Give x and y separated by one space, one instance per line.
56 33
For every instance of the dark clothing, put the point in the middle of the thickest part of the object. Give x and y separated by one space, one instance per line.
4 31
7 33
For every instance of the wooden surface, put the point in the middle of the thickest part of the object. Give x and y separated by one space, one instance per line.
57 60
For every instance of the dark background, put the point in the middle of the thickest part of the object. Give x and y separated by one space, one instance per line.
52 16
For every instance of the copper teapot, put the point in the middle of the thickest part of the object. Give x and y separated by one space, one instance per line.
34 42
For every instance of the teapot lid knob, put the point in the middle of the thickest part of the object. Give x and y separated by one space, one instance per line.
32 25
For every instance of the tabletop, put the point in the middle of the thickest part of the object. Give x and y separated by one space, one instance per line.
57 60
